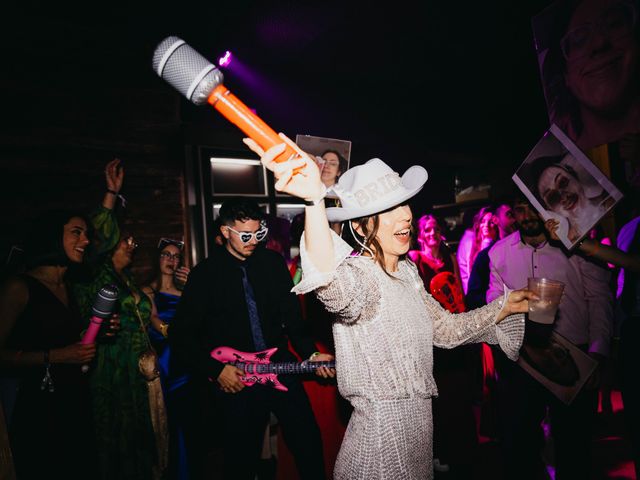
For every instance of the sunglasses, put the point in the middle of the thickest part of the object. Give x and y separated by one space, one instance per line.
169 241
245 237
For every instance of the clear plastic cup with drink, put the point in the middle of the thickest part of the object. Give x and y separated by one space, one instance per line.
549 292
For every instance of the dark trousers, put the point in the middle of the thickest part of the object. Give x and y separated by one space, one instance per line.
523 403
186 452
244 417
630 365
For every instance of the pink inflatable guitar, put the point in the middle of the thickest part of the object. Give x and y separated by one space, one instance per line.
259 369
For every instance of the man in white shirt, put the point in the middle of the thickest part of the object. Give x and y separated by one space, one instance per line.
584 317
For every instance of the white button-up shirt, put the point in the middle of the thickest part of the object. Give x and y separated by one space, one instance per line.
585 315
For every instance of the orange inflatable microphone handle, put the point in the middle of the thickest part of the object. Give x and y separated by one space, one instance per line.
242 117
201 82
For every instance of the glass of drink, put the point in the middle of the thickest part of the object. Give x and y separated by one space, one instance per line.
549 292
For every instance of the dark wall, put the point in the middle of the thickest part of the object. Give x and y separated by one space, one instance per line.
54 156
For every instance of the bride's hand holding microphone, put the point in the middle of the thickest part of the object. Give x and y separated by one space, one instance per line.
298 176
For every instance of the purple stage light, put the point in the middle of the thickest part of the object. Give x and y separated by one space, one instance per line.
225 60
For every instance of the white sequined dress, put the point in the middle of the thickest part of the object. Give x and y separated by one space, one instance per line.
384 331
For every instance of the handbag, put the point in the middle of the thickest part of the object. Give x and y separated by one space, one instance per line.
148 366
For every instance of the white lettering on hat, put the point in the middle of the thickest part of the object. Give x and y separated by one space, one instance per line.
379 188
374 190
393 180
362 197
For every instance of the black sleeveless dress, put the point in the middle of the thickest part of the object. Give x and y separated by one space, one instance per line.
51 433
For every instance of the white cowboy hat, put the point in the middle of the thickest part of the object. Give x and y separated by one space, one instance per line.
373 188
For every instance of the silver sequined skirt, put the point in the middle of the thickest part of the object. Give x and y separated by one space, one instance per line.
386 440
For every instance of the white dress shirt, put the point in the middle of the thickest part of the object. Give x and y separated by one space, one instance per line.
585 315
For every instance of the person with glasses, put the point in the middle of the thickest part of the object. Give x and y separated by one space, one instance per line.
333 166
240 297
591 69
129 447
165 290
561 191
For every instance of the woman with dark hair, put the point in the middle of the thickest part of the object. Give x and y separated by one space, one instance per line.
333 166
165 290
591 69
50 426
128 409
385 322
567 197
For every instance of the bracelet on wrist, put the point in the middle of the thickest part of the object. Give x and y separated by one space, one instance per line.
164 329
316 201
314 354
112 192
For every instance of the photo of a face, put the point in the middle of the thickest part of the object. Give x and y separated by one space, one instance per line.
563 184
560 366
332 156
589 59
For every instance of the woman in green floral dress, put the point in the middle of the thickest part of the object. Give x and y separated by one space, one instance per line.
126 441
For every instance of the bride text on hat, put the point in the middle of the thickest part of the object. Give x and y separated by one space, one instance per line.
379 188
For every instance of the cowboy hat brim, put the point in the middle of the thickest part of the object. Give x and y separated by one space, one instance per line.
413 180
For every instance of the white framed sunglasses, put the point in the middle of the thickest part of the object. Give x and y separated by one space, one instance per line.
245 237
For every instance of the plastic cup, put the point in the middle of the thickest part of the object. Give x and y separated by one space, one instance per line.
549 292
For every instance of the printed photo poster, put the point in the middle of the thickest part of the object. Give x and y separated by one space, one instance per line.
589 57
563 184
560 366
332 156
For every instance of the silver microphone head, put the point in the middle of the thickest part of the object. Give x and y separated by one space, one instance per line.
105 302
190 73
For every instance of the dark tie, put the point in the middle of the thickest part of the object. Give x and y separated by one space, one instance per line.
254 319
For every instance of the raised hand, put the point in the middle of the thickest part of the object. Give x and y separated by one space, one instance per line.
552 226
298 176
114 175
182 274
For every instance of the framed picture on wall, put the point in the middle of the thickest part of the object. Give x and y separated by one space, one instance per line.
563 184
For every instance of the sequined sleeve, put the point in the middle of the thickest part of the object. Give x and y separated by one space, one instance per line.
350 291
479 325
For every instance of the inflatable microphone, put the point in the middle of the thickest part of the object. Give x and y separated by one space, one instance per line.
102 308
201 82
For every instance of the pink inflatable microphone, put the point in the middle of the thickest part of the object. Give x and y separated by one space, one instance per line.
102 309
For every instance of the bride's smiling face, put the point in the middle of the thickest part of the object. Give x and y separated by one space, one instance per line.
394 232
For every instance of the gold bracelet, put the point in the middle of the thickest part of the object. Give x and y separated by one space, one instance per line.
164 327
